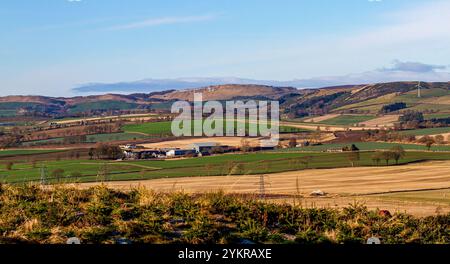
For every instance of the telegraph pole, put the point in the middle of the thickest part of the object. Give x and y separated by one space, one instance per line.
43 175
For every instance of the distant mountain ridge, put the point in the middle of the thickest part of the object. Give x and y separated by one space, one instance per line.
364 98
154 85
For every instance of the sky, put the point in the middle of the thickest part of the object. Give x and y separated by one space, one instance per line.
49 47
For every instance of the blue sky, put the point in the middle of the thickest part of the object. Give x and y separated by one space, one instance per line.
49 47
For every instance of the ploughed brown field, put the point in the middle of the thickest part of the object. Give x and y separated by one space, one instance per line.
370 185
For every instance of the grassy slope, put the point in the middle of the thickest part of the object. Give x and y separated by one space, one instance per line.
100 216
92 138
427 131
24 152
101 105
156 128
347 120
410 98
439 115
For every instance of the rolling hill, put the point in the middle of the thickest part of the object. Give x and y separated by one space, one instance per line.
358 99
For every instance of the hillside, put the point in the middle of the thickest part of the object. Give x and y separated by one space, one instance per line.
359 99
370 98
228 92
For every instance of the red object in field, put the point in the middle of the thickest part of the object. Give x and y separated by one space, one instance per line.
384 213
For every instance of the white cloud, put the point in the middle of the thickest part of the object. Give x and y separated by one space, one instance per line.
410 66
163 21
425 23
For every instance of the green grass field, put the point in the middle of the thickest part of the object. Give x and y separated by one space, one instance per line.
165 128
427 131
16 105
151 128
7 113
91 139
439 115
367 146
102 105
237 164
345 120
4 153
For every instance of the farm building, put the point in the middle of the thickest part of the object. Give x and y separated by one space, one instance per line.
179 152
141 154
204 147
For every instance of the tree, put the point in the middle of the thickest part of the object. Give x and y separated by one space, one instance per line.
429 144
387 156
306 160
208 168
293 142
103 172
114 152
353 157
354 148
76 175
9 165
91 153
245 145
397 153
58 174
376 158
428 141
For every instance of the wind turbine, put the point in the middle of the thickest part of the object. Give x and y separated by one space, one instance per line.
419 87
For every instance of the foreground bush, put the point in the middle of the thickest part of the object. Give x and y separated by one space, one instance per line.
29 214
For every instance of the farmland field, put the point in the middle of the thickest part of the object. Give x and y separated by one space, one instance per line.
367 146
7 113
149 128
440 196
427 131
441 115
164 128
91 138
83 107
345 120
255 163
25 152
343 181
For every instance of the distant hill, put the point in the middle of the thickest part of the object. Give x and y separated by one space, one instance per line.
371 98
228 92
155 85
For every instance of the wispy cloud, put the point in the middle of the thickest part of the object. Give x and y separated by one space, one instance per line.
410 66
163 21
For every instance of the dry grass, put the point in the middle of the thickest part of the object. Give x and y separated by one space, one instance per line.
321 118
185 143
384 121
341 181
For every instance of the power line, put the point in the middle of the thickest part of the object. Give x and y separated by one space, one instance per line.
262 187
